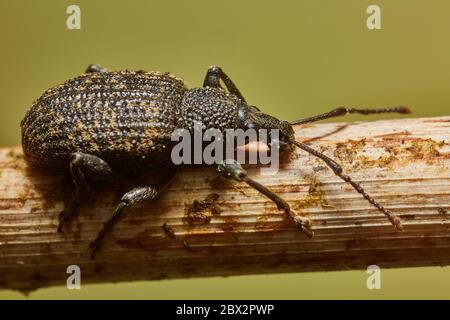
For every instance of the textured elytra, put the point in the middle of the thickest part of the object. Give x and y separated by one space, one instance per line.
122 117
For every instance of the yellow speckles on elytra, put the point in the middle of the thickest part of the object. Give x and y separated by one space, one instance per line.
122 116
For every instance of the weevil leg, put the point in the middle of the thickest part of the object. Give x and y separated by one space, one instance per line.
213 77
83 166
96 68
132 197
343 111
337 169
231 169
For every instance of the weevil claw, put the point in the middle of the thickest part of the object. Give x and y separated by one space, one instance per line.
303 224
397 223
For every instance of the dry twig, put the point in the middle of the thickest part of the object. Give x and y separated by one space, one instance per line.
405 164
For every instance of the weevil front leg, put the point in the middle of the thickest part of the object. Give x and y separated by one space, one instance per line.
83 166
96 68
213 77
129 199
231 169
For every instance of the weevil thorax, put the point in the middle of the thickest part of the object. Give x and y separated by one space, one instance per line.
212 107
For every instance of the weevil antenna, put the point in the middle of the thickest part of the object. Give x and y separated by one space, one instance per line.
337 169
343 111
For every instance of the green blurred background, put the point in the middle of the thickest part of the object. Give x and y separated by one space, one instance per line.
291 58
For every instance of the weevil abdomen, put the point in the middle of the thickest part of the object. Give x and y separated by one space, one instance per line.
121 117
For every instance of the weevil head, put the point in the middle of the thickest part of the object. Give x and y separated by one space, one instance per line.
250 117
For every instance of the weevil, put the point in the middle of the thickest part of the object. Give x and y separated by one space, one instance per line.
104 122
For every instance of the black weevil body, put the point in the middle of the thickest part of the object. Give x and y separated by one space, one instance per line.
102 122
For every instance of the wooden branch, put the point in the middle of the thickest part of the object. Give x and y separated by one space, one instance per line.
405 164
